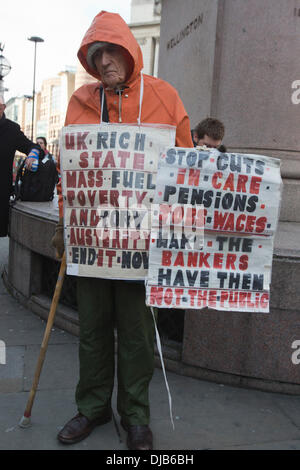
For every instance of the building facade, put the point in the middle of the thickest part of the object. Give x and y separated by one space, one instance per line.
50 108
147 32
54 97
19 109
52 100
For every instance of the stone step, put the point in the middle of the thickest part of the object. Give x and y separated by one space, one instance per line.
290 203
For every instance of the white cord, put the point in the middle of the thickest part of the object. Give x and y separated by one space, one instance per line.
163 366
141 99
102 104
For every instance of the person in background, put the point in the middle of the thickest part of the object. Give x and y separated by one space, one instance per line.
11 140
43 144
209 132
110 53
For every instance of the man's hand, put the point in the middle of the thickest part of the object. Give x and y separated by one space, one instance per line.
58 239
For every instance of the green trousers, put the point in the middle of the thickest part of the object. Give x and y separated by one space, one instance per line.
103 305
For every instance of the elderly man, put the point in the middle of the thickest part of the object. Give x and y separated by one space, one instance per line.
11 140
110 53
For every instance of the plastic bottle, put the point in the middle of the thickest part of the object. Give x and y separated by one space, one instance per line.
34 154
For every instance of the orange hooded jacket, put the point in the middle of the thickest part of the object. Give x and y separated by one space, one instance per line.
161 103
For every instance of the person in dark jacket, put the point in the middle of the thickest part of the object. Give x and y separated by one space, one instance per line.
209 132
11 140
42 141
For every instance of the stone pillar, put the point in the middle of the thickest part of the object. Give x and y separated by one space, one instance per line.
237 60
30 233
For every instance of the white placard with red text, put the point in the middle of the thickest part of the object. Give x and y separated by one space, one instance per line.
213 227
108 181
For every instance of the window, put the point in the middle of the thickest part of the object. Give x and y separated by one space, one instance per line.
55 99
157 7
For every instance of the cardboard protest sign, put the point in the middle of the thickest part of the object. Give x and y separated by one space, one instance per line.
213 228
108 182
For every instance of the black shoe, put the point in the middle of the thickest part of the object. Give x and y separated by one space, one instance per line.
80 427
139 436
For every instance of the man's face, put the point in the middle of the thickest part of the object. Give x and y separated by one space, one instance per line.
2 108
112 64
209 142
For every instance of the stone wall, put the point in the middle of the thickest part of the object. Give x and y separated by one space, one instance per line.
237 60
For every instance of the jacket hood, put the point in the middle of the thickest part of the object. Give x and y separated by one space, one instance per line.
110 27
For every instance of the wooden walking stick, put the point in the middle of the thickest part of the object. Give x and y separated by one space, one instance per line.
25 420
